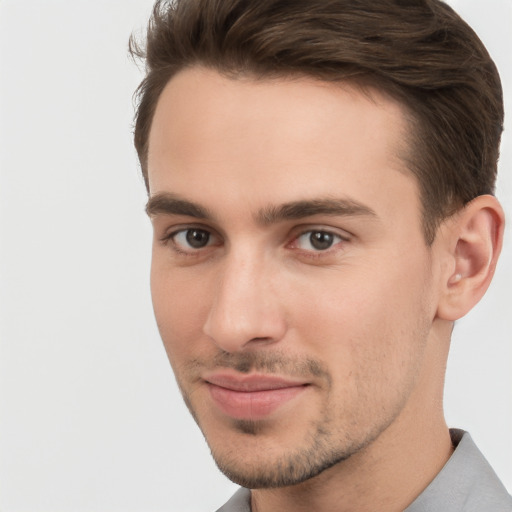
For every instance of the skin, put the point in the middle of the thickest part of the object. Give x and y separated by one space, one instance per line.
362 322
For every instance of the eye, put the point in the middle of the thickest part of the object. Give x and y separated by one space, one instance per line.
191 239
317 240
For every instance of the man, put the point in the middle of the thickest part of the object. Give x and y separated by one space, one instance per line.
320 178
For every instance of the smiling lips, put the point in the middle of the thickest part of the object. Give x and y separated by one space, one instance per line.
251 397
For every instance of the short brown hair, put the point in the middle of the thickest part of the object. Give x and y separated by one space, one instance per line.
418 51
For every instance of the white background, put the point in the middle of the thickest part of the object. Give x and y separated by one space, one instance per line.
90 419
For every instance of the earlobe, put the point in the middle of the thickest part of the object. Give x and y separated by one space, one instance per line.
474 241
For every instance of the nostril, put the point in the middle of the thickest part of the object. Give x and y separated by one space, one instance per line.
263 340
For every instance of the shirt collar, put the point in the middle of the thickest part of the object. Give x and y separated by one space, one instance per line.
466 482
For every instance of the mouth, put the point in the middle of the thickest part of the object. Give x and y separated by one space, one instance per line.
251 397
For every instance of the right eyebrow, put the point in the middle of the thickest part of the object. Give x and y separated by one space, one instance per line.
170 204
310 207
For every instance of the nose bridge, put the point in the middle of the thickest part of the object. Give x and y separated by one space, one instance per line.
244 309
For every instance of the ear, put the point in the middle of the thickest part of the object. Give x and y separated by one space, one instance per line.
472 241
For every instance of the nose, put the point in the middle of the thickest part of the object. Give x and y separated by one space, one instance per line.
246 309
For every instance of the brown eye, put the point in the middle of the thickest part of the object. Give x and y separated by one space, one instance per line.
317 240
192 239
197 238
321 240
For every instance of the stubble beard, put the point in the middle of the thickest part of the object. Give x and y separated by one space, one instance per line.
313 457
322 447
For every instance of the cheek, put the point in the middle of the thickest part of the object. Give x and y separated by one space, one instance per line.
180 305
368 333
368 323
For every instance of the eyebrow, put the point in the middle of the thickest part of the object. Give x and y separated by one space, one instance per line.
311 207
170 204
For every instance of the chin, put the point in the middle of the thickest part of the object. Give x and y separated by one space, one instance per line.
254 460
276 471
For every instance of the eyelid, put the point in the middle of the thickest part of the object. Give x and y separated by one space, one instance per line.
171 231
309 228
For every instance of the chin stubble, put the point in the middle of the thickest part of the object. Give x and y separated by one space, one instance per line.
313 457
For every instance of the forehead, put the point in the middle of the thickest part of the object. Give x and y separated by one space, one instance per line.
279 139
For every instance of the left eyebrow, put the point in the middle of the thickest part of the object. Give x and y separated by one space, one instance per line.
171 204
309 208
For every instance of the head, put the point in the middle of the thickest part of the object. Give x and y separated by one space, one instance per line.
319 177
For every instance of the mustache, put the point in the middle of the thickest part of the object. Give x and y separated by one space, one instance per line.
258 361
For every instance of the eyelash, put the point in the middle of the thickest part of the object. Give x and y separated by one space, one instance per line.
169 239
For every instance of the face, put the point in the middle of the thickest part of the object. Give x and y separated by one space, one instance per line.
291 282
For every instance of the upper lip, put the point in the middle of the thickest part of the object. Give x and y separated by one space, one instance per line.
252 382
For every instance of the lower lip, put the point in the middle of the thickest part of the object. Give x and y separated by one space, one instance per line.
252 405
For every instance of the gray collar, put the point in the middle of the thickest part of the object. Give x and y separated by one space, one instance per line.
466 483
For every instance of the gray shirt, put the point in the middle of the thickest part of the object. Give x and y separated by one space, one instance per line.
467 483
